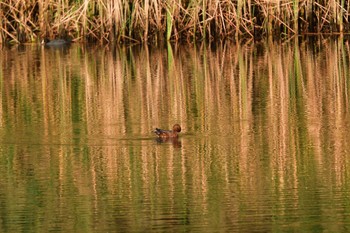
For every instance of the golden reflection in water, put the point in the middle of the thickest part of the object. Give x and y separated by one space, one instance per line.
256 119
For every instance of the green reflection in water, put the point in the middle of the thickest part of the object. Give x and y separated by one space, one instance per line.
263 148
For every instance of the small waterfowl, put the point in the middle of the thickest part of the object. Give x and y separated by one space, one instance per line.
56 42
168 133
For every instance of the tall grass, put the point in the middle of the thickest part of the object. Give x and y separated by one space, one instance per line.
153 20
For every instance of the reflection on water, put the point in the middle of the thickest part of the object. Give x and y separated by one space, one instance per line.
174 141
263 148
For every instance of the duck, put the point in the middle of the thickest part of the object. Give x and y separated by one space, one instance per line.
56 42
168 133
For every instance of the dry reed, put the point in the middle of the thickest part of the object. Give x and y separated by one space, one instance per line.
155 20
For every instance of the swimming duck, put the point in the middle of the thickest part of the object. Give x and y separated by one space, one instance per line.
56 42
168 133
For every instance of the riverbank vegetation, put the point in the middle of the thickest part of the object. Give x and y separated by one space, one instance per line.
178 20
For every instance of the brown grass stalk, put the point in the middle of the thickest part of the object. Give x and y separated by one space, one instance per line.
150 20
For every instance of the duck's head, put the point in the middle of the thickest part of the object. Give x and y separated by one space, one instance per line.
177 128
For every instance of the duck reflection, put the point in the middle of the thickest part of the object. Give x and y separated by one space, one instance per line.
175 141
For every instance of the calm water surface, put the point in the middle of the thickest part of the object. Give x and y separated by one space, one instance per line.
264 148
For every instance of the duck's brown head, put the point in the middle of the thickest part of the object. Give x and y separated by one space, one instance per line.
177 128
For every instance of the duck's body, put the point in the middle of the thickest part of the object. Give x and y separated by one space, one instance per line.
168 133
56 42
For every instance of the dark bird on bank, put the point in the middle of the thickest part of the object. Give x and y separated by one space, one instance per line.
56 42
168 133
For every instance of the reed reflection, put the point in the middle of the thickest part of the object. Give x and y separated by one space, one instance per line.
262 123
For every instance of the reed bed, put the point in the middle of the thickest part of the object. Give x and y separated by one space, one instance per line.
178 20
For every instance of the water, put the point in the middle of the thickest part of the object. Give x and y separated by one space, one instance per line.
264 146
